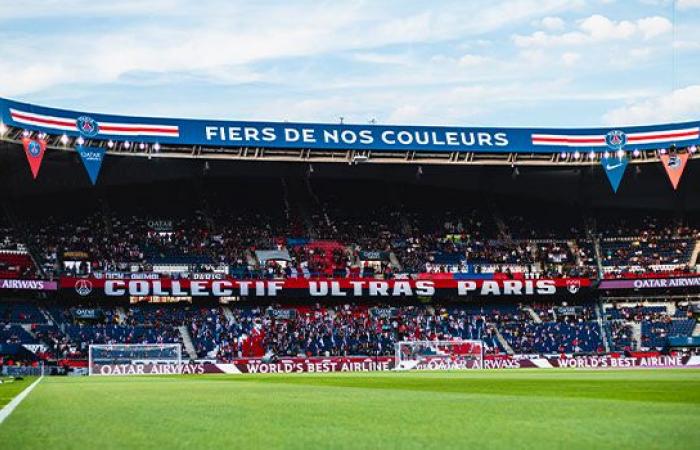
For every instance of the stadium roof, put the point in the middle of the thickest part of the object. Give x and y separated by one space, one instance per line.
307 142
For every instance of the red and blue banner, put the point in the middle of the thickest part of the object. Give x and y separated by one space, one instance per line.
222 133
674 165
92 158
342 287
34 149
614 167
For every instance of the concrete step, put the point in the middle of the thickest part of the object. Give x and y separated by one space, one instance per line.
694 257
229 314
503 341
533 314
696 330
187 342
637 334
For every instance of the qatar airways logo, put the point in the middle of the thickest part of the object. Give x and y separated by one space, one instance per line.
349 288
373 137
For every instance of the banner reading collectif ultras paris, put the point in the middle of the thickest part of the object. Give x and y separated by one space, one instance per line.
322 288
222 133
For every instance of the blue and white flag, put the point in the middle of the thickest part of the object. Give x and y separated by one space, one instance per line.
92 158
614 168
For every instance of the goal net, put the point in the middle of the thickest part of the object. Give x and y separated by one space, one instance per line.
127 359
439 355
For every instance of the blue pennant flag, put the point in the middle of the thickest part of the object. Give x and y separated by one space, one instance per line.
92 160
614 168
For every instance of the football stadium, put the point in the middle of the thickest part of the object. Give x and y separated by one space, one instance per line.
177 282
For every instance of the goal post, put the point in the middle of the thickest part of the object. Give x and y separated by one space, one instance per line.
439 355
111 359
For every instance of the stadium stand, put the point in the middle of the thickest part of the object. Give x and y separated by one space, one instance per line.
327 240
223 333
273 229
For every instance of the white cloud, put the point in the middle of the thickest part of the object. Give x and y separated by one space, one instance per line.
651 27
216 36
686 45
466 60
469 60
406 114
533 57
598 29
553 23
37 9
688 4
570 58
681 104
680 4
310 60
382 58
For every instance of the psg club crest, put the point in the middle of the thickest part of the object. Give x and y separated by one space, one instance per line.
616 139
87 126
573 286
674 162
34 149
83 287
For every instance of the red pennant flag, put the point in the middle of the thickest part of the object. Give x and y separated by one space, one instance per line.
674 165
34 149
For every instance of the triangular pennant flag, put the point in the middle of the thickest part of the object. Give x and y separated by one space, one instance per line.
674 165
92 158
614 168
34 149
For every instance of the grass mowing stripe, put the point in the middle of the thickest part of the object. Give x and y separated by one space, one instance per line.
568 385
7 409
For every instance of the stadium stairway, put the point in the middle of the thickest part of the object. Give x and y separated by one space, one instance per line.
694 257
601 327
573 248
187 342
229 314
670 307
47 316
501 340
22 229
122 313
498 219
28 328
299 199
106 214
598 255
250 259
536 318
636 334
394 260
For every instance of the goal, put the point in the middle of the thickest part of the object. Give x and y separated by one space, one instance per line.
127 359
439 355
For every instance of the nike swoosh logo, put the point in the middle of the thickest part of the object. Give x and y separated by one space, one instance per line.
609 167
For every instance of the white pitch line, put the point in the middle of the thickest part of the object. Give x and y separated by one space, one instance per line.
7 410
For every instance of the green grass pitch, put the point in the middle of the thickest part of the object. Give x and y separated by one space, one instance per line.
10 388
536 409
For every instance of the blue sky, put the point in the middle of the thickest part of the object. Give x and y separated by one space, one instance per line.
504 63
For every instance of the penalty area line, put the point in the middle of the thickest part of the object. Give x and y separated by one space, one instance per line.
7 410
